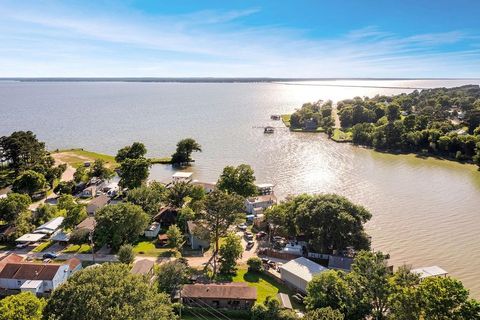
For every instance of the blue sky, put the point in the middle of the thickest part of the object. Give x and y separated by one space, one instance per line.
362 38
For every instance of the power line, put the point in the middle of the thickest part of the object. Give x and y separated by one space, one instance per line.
196 302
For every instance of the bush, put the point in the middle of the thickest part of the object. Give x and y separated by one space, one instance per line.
125 254
65 187
255 264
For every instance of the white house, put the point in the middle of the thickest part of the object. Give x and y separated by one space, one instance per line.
38 278
51 226
299 272
256 205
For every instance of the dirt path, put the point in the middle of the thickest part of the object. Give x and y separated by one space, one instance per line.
68 174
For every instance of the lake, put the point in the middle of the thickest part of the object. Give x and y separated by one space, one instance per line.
425 211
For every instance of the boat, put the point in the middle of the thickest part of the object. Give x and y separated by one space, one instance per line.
275 117
269 130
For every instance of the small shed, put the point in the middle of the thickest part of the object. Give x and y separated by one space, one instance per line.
143 267
152 230
284 300
299 272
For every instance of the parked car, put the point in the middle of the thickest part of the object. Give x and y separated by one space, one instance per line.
261 235
248 236
49 255
22 245
250 244
242 226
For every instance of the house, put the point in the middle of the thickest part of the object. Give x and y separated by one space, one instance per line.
182 176
31 237
427 272
207 186
89 192
194 238
256 205
236 296
51 226
166 216
265 188
87 224
97 203
299 272
38 278
143 267
10 258
152 230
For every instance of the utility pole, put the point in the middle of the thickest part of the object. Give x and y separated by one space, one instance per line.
92 246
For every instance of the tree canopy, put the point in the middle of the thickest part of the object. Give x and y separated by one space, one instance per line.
21 306
119 224
329 221
230 251
150 197
29 182
239 180
171 276
136 151
133 172
13 205
108 291
184 151
22 151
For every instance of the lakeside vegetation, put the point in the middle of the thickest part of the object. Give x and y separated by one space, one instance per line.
441 122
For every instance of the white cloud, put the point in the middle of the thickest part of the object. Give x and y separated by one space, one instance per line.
55 41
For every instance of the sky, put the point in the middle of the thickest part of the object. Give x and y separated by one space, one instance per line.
277 38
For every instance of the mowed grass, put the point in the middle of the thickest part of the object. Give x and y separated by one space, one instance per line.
148 248
266 285
77 157
76 248
341 136
43 246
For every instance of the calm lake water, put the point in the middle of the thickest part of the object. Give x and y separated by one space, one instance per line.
425 211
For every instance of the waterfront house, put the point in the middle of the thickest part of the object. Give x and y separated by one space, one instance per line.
256 205
38 278
234 296
97 203
207 186
152 230
195 240
299 272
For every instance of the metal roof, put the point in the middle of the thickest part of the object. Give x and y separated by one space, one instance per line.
432 271
31 237
303 268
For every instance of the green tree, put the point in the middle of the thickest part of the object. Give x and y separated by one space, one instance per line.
46 212
175 237
119 224
74 212
23 224
29 182
331 222
329 289
133 172
230 251
136 151
405 300
324 314
126 254
254 264
221 211
178 192
100 170
184 151
80 175
13 205
239 180
270 310
23 151
21 306
108 291
65 187
370 282
393 112
171 276
150 198
444 298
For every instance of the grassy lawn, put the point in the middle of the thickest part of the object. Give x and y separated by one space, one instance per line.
165 160
286 119
77 157
147 248
75 248
266 286
341 136
43 246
